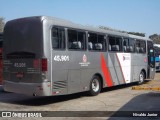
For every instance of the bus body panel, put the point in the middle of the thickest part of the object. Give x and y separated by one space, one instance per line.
114 68
35 89
139 64
59 73
47 50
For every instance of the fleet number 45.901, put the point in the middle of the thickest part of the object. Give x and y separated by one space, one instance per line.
61 58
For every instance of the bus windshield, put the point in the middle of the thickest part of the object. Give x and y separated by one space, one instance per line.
23 36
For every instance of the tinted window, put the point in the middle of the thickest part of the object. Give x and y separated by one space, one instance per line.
96 42
115 43
24 35
140 46
58 38
76 40
128 45
149 45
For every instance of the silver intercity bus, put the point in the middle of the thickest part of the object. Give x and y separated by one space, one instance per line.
47 56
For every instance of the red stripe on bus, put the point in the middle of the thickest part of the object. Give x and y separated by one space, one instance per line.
106 72
120 68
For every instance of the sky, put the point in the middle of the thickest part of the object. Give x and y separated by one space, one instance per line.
128 15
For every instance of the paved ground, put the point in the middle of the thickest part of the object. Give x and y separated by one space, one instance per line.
120 98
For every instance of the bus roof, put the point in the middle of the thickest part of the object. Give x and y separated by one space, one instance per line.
66 23
62 22
139 37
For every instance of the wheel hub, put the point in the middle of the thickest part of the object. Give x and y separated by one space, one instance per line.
95 85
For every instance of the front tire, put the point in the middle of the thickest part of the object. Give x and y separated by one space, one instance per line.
95 86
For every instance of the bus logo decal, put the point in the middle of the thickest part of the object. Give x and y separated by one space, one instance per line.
84 58
84 61
145 59
124 61
126 58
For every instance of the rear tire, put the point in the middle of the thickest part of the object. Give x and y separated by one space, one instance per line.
141 78
95 86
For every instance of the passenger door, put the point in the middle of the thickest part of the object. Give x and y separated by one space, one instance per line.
151 60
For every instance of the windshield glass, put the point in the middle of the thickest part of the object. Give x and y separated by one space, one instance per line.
23 36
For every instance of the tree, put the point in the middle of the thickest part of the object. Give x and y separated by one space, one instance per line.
2 23
111 29
133 33
155 38
137 33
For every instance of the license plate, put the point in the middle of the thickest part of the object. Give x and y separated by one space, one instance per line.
20 75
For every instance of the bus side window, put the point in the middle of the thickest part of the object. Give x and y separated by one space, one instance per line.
140 46
58 38
149 46
131 45
96 42
92 40
115 44
101 42
137 46
128 45
76 40
125 45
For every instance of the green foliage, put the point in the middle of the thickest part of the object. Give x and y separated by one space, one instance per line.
137 33
133 33
111 29
2 23
155 38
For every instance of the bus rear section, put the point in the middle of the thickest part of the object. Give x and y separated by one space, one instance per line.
1 43
25 66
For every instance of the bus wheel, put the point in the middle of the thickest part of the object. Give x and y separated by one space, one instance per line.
95 86
141 77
